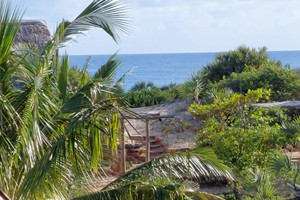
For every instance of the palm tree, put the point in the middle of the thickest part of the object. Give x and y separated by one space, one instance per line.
50 135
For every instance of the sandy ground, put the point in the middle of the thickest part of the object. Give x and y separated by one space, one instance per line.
175 131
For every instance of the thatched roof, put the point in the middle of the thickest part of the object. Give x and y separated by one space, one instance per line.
34 32
283 104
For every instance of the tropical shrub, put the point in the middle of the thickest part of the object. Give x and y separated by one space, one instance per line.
235 62
297 70
291 129
147 94
142 85
283 82
240 134
261 184
246 68
145 97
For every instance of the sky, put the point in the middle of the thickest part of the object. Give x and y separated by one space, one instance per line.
183 26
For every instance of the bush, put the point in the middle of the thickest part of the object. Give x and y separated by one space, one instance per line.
147 94
283 82
235 62
241 135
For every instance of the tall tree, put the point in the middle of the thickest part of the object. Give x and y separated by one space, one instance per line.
49 134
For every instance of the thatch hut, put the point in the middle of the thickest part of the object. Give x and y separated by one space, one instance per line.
34 32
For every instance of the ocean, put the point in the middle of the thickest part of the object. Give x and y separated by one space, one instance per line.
163 69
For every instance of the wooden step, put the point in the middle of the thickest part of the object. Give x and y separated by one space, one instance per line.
141 137
152 142
134 150
154 146
157 151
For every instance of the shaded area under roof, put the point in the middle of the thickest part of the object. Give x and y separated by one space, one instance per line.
282 104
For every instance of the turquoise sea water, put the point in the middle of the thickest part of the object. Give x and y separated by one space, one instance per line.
163 69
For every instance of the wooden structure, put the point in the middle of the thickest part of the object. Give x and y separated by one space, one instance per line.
282 104
145 118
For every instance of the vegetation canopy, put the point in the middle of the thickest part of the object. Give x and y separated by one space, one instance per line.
50 134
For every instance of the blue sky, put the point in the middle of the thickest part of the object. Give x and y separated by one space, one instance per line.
171 26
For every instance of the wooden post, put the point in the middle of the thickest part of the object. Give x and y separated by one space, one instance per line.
123 151
147 141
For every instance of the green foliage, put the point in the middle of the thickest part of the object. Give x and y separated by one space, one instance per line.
52 134
144 97
245 68
235 61
259 185
292 131
165 178
284 172
297 70
147 94
78 77
194 86
143 86
283 82
241 135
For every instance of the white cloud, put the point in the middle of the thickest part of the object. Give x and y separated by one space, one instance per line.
188 25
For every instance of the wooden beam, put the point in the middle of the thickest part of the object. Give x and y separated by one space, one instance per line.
147 141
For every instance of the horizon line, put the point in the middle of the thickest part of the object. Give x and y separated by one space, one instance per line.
155 53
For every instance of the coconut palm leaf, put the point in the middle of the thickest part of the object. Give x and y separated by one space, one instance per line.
108 70
49 136
10 22
78 148
85 97
37 104
109 15
63 77
151 190
200 165
9 118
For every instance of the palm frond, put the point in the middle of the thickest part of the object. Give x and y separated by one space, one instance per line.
9 25
162 189
63 77
109 15
200 165
9 119
108 70
280 164
36 103
49 166
77 149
